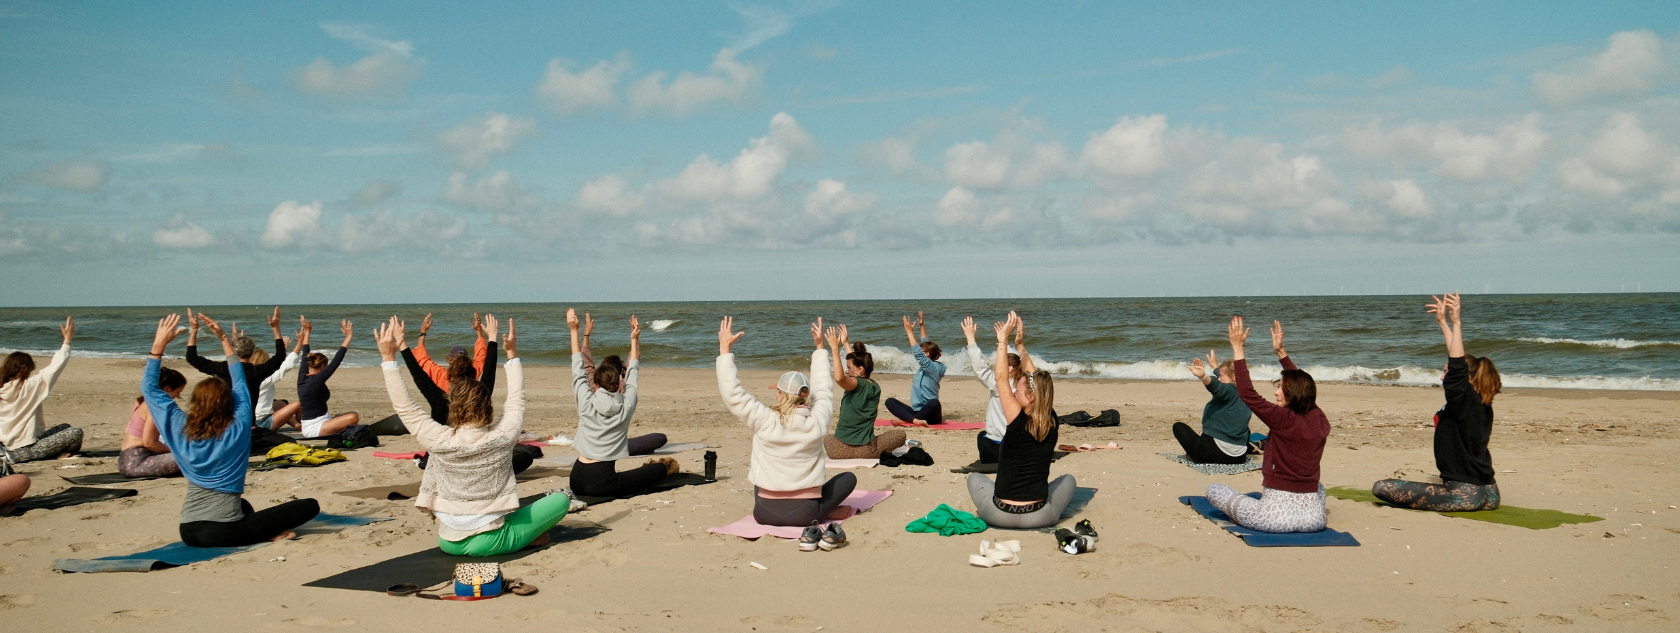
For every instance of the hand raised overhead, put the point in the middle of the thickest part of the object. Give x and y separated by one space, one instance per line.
727 335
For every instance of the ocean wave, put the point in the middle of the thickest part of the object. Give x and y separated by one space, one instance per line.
659 325
42 354
891 360
1618 343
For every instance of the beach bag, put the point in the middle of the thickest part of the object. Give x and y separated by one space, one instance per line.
478 580
6 463
303 455
353 437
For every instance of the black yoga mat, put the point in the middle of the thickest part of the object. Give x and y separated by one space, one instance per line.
100 453
669 482
431 566
104 479
74 496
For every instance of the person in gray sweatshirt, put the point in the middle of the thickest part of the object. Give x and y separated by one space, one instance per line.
604 413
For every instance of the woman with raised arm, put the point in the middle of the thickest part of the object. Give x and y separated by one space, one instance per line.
854 432
212 443
1023 497
318 419
1462 429
644 444
1291 499
787 453
468 484
604 415
143 451
271 413
23 429
440 374
255 371
924 407
1224 436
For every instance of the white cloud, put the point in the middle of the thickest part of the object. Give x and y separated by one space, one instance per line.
386 72
1628 67
291 224
376 192
75 175
565 93
384 230
1512 153
496 192
610 193
1620 158
1250 178
181 233
474 142
894 153
727 80
959 207
830 200
1408 199
1134 147
976 165
1123 207
751 174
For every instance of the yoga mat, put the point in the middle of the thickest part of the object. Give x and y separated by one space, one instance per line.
1322 538
388 493
73 496
177 554
672 449
669 482
991 469
948 425
537 471
858 501
1505 515
100 453
1216 469
104 479
431 566
852 463
398 455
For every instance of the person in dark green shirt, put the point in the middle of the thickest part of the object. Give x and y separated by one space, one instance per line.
854 433
1224 436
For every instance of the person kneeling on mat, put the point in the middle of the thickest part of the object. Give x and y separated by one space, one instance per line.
1462 429
211 445
604 414
468 484
1291 497
787 453
1224 436
1023 495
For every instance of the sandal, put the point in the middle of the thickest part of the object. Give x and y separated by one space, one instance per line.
995 554
521 588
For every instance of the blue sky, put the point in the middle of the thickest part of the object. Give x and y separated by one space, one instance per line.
334 152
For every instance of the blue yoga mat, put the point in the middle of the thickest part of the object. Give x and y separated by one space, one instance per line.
177 554
1322 538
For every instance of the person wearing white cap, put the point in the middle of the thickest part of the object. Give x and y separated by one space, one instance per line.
787 453
604 425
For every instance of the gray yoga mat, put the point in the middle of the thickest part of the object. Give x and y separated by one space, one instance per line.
1253 463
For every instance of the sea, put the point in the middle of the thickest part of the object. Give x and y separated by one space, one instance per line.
1554 341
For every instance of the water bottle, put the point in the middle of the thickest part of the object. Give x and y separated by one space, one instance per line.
711 465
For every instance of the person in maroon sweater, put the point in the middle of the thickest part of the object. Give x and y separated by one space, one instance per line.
1462 428
1292 499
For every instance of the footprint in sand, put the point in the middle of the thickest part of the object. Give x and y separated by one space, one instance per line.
130 615
9 601
1624 607
1191 613
1485 626
326 622
1380 624
26 541
1148 554
779 621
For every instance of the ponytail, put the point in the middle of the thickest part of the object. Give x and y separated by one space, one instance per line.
1484 377
861 357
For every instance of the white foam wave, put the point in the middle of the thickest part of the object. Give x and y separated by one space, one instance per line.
43 354
891 360
659 325
1617 343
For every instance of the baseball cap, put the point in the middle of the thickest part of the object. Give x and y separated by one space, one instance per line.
792 382
456 351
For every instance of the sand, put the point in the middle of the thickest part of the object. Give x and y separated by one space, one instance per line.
1158 567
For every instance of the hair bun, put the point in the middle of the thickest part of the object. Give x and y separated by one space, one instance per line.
858 348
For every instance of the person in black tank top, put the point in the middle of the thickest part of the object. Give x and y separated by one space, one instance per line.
1023 495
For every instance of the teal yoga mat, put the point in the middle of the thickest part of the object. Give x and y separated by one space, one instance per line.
177 554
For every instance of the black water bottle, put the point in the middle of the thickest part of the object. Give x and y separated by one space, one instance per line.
711 465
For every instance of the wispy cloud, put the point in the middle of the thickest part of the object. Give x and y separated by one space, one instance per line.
906 94
374 150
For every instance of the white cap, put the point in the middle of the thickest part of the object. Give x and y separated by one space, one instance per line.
792 383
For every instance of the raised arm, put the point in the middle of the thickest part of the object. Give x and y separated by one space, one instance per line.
910 334
1000 366
481 346
977 360
513 409
921 324
822 387
741 404
572 325
55 368
488 376
588 357
1453 333
1027 367
158 401
1203 374
428 432
834 337
635 339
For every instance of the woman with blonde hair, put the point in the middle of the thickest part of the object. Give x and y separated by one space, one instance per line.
468 483
1023 496
787 453
1462 428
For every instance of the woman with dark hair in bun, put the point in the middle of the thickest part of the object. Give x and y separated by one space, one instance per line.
854 431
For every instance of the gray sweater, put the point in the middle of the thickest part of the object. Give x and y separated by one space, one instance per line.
603 416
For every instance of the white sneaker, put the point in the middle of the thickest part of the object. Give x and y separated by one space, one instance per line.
559 440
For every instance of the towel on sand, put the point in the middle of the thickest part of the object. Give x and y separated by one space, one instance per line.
1505 515
947 522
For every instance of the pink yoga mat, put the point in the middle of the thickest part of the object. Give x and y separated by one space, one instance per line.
858 501
851 463
947 426
397 455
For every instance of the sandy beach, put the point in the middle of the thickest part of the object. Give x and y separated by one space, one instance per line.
1158 567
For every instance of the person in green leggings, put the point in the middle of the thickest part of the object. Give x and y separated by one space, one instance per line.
468 485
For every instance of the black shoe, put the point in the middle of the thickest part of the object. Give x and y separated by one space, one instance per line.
1071 543
1085 530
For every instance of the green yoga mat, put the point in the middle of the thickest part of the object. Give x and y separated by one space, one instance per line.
1506 515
